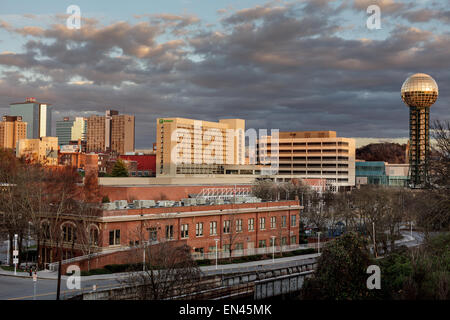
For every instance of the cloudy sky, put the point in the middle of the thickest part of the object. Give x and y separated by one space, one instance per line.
288 65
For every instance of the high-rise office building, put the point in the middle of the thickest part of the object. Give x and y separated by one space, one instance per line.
71 130
110 133
186 146
12 129
419 92
315 155
37 115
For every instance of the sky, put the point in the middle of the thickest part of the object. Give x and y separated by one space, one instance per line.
287 65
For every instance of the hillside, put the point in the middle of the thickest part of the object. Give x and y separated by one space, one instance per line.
386 151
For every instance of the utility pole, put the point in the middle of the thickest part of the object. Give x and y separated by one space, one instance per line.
216 251
15 254
143 261
58 288
273 248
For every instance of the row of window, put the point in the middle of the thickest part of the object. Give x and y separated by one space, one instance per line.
114 235
227 225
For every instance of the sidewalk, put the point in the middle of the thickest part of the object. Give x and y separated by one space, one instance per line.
53 275
43 274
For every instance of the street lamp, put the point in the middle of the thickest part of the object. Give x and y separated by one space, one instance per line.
216 251
15 254
273 248
143 261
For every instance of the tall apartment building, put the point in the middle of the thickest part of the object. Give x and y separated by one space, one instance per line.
315 155
71 130
37 115
12 129
112 132
43 150
187 146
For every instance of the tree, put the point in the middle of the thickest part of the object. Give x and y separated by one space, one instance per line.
317 211
169 270
341 271
418 273
440 161
119 169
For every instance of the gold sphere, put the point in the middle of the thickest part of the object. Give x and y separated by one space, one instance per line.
420 91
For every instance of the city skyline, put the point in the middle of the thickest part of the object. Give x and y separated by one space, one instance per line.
265 62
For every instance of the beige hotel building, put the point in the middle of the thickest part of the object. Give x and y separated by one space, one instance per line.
12 129
196 147
315 155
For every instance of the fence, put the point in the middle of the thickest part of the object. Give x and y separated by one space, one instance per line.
223 253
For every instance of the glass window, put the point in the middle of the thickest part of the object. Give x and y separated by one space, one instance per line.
239 225
226 226
199 229
213 228
262 223
251 224
273 222
184 231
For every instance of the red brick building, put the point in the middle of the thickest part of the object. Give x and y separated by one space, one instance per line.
146 164
243 227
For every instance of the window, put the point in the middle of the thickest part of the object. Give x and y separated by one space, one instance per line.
114 237
226 247
293 221
273 222
152 233
293 240
199 229
184 231
284 241
169 232
93 236
226 226
68 233
283 221
239 225
46 230
262 223
213 228
239 246
212 249
262 244
251 224
272 242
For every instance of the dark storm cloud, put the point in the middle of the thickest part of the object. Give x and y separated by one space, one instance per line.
278 65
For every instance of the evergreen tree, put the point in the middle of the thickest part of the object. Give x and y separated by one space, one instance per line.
119 169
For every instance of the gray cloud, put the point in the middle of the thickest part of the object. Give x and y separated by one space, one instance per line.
277 65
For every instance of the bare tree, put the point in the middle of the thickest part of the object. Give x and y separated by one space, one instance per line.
170 270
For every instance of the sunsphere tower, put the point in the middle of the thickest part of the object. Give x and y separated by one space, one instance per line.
419 92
